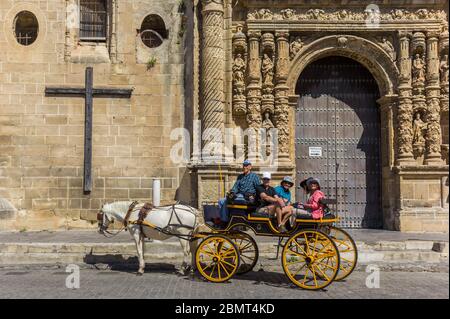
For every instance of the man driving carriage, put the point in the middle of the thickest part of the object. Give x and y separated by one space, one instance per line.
244 189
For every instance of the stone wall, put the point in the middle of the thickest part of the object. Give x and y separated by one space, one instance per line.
41 138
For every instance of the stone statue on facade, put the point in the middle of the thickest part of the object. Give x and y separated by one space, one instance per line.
238 70
268 126
444 69
267 70
295 47
388 47
418 70
419 128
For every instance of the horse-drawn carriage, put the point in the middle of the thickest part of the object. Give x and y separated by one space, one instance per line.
315 252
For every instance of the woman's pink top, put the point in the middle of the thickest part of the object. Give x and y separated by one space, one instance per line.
313 204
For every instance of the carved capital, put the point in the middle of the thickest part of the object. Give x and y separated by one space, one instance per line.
282 35
254 35
212 6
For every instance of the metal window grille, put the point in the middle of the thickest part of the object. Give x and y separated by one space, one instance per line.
93 20
153 31
151 38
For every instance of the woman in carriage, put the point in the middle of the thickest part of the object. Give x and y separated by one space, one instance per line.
313 206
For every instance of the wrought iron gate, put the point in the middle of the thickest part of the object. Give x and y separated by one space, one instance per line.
338 137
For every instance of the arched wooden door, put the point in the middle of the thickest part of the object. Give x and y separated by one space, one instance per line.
338 137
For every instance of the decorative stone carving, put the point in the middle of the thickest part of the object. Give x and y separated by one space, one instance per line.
443 68
281 114
282 122
315 14
212 80
419 128
268 126
396 15
418 43
288 14
254 119
433 118
405 106
342 41
419 131
405 130
261 14
433 137
268 43
239 69
295 46
418 70
404 59
282 38
388 47
267 70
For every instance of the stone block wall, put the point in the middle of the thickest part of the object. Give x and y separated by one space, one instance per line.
41 138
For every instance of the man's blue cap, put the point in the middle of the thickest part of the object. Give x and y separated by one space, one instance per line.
247 162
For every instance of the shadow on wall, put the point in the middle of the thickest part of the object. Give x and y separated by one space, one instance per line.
186 192
7 210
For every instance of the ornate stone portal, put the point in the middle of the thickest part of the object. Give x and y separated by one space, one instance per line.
404 46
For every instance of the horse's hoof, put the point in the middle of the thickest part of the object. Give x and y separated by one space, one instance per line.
139 273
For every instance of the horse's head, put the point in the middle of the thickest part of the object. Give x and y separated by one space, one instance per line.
104 219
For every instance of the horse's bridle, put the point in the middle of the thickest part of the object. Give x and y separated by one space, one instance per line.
102 229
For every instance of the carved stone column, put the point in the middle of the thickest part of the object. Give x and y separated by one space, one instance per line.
405 106
254 119
418 54
433 136
239 71
444 74
281 96
212 79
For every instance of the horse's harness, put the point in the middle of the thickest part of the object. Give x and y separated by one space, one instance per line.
143 212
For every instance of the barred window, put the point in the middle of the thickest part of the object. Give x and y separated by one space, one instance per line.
93 20
26 27
153 31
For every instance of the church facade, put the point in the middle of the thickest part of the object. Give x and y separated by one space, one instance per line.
358 94
354 93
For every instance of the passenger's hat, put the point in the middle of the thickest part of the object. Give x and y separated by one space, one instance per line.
246 163
304 182
312 180
287 179
267 175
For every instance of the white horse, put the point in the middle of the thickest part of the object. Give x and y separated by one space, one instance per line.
172 220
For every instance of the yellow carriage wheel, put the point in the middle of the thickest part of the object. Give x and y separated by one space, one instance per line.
306 257
217 258
248 251
348 253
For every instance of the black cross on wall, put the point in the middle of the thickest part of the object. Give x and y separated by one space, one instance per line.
89 93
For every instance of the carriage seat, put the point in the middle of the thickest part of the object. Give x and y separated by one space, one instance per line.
327 215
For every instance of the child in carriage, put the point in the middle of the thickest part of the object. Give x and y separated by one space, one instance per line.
312 208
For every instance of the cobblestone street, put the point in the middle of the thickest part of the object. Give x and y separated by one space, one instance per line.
164 282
